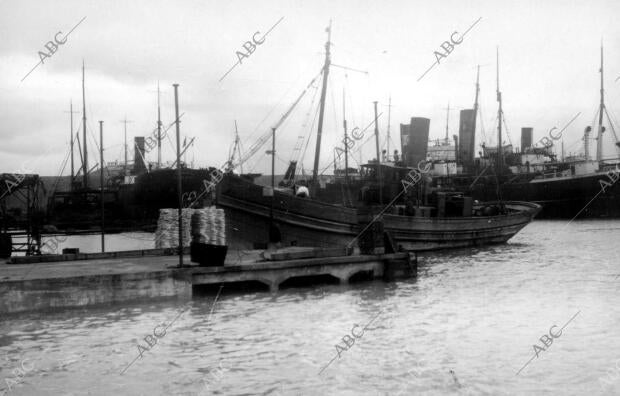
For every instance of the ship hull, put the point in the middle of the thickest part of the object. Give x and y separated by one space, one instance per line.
415 233
567 198
311 223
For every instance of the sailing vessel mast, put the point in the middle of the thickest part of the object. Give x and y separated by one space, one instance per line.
447 120
317 152
346 141
388 127
601 129
379 176
158 130
125 121
85 164
476 100
71 112
237 148
499 120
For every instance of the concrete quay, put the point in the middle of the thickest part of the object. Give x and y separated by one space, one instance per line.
90 282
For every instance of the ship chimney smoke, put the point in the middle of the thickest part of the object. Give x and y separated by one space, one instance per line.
414 140
526 138
139 166
467 138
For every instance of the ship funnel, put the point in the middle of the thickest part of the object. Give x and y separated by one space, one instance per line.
526 138
467 138
139 166
414 140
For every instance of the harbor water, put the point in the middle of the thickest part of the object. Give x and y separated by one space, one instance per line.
467 325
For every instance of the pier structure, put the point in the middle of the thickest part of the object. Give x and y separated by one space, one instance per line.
81 280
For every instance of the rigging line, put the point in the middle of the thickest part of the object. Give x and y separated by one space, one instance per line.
612 115
331 88
260 124
309 112
370 137
311 132
89 127
267 136
484 136
281 160
611 124
506 125
64 164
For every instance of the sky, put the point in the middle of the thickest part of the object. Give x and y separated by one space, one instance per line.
549 56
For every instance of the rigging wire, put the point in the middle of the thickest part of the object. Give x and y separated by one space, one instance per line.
506 126
370 137
259 125
484 136
64 164
316 114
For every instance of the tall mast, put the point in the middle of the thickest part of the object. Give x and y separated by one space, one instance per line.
317 152
499 120
125 135
85 171
447 120
158 130
179 173
379 176
346 140
476 100
237 148
599 137
71 142
388 128
101 186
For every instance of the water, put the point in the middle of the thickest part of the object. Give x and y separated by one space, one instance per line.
465 326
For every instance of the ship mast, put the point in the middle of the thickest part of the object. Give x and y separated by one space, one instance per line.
476 100
237 147
447 120
317 152
499 120
71 112
388 127
346 141
379 176
599 137
85 171
158 130
72 166
125 121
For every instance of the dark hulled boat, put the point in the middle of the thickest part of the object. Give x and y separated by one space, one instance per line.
308 222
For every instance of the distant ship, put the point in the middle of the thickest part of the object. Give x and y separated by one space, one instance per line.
575 186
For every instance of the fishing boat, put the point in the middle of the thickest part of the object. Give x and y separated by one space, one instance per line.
417 218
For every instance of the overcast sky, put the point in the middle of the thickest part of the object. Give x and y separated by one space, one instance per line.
549 61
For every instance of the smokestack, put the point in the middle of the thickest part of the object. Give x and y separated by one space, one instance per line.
526 138
414 140
467 138
139 166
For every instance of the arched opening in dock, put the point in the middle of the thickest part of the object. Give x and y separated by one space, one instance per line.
229 287
362 276
311 280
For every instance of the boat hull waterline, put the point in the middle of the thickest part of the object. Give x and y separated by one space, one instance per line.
305 222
